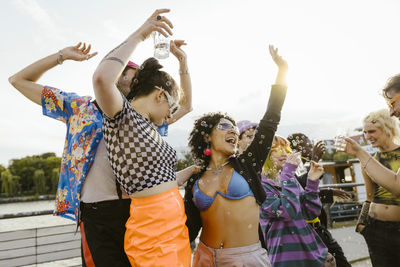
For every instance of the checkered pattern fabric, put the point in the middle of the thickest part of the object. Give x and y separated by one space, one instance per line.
139 157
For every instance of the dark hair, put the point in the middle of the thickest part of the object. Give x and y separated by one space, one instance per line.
392 83
148 76
300 142
201 130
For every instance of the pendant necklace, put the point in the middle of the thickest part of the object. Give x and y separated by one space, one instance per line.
217 171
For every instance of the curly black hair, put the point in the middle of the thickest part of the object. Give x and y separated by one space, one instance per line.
201 130
148 76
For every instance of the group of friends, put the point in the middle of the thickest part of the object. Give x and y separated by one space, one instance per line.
244 195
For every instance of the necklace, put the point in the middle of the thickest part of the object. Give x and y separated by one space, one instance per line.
217 171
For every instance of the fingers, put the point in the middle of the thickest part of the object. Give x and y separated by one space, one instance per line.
91 55
179 43
160 11
162 28
272 51
164 19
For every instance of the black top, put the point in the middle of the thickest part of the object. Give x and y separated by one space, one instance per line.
249 164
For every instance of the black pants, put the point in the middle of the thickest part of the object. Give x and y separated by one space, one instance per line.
383 240
333 247
104 226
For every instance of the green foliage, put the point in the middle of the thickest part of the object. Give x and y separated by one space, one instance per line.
185 162
327 156
40 182
10 184
32 181
2 168
340 156
55 174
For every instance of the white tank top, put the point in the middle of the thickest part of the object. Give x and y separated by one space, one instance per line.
99 184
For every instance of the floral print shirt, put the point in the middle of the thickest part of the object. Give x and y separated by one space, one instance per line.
84 132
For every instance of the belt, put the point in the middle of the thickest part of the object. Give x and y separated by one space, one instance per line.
104 204
315 225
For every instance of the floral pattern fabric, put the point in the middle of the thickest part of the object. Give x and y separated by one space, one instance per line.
84 132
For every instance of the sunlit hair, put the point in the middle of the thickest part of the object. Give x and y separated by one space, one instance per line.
279 145
201 131
389 125
393 83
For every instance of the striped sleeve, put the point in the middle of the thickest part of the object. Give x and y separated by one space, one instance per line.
310 203
285 204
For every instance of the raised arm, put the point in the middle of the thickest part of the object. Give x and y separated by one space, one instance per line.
110 68
26 79
375 170
310 202
262 142
285 204
186 84
282 66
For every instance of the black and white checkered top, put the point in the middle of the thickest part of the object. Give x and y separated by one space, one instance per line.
138 155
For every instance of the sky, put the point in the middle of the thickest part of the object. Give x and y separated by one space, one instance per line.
340 54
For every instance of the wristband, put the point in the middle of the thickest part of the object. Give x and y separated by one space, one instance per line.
182 72
60 59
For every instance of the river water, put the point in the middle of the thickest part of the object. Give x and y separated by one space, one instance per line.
32 221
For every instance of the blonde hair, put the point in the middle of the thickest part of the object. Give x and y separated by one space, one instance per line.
280 144
389 125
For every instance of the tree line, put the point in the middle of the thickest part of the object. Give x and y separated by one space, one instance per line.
31 175
38 174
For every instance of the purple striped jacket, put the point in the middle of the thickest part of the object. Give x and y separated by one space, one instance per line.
290 240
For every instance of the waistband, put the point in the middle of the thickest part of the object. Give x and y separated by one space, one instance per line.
386 224
232 251
105 204
156 198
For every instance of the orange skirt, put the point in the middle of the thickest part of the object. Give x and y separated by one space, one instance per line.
156 234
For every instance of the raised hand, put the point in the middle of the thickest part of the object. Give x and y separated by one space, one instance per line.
352 147
157 23
294 158
318 150
316 171
279 61
78 52
176 50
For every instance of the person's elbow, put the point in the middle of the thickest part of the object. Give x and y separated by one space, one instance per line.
100 81
13 80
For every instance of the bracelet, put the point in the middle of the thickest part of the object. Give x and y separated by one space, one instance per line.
60 59
181 72
365 166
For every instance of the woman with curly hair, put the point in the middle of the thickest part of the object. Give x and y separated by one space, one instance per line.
379 220
224 198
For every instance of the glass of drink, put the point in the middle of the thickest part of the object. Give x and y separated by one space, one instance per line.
340 142
161 45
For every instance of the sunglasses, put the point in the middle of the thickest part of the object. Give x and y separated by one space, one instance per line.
173 106
226 126
391 101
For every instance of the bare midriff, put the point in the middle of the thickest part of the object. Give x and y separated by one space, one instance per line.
229 223
158 189
384 212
